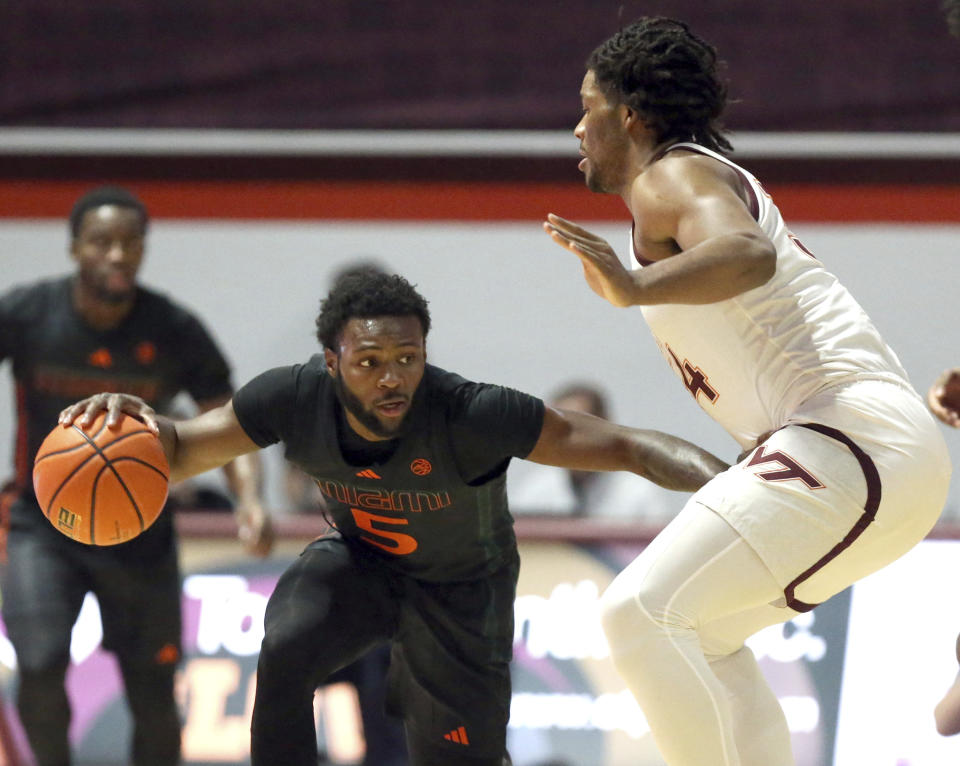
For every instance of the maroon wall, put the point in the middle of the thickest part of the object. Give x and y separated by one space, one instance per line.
855 65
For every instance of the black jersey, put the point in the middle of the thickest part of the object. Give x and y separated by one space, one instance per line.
433 503
159 350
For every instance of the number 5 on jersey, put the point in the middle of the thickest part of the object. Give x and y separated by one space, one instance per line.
393 542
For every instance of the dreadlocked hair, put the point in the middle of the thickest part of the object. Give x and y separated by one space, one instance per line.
659 68
367 292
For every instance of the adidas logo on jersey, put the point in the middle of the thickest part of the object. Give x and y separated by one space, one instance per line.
367 473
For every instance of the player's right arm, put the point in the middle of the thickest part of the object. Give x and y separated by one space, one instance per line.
208 441
584 442
691 208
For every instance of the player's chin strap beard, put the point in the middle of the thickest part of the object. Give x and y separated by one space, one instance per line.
350 403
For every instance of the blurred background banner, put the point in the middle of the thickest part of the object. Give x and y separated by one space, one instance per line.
831 670
859 65
569 704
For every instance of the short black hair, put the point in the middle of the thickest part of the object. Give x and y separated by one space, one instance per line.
358 263
364 293
668 75
107 195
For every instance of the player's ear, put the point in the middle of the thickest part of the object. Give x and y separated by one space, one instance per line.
637 127
332 361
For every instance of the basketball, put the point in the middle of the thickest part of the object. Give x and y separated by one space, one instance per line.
100 485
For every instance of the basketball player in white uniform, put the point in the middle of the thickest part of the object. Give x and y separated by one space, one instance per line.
845 469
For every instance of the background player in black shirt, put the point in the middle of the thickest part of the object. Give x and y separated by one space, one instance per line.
411 460
70 337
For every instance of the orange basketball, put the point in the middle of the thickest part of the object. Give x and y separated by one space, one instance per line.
99 485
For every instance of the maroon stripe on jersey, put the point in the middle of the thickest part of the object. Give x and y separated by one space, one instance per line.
753 201
870 507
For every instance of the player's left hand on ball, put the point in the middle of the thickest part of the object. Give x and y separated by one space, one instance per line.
115 405
255 529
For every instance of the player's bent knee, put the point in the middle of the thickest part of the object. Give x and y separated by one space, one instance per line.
631 616
276 650
623 617
287 659
614 611
42 660
285 638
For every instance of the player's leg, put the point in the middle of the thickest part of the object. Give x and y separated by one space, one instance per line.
157 727
331 606
382 733
891 474
759 726
697 571
42 596
450 670
423 753
140 606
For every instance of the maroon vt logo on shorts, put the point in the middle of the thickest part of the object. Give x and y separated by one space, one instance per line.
791 469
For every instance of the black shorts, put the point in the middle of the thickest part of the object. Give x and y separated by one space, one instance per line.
452 643
46 579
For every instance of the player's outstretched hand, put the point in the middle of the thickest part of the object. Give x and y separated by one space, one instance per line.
255 529
115 405
601 266
943 398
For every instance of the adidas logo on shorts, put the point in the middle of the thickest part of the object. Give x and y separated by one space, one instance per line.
458 735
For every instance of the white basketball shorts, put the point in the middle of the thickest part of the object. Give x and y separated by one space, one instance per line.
854 480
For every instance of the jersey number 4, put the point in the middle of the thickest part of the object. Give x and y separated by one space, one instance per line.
385 538
693 378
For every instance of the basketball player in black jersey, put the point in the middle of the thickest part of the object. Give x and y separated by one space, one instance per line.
411 460
69 337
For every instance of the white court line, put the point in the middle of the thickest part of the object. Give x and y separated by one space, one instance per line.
440 143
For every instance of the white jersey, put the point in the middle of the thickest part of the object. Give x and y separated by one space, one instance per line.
752 360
